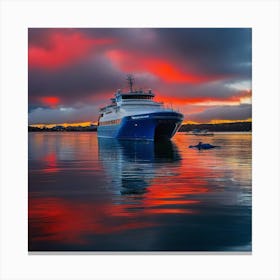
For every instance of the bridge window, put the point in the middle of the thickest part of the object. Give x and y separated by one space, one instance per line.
133 96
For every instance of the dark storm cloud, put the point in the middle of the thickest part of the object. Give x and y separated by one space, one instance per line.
127 38
76 82
41 37
241 112
62 115
219 50
215 90
222 53
215 50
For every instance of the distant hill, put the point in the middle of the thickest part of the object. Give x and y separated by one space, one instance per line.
237 126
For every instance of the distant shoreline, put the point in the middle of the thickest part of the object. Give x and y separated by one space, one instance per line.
222 127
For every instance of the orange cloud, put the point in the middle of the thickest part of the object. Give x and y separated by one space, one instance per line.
64 49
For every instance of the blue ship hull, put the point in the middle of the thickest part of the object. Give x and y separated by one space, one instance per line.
151 126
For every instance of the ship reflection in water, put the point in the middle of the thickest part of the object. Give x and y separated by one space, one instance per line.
133 165
89 194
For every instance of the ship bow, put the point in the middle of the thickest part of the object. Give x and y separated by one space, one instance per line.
152 126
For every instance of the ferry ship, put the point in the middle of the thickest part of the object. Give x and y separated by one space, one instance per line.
134 115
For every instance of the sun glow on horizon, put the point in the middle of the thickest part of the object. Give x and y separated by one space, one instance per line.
83 124
217 121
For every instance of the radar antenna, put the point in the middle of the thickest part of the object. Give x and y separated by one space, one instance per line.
130 80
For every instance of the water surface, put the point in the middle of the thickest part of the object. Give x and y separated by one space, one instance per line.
90 194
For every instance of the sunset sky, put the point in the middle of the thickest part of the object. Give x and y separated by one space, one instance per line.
203 72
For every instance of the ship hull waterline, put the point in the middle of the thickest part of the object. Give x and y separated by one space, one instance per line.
151 126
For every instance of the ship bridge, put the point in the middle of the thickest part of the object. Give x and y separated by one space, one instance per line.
134 96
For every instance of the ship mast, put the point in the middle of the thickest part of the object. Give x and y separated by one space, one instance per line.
130 80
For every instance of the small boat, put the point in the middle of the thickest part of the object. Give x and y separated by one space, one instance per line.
203 146
204 132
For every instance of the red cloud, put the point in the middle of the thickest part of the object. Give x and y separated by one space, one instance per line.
170 72
63 50
167 70
51 101
177 100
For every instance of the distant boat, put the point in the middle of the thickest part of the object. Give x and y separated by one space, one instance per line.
134 115
204 132
203 146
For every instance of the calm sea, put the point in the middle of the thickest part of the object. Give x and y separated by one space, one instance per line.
90 194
